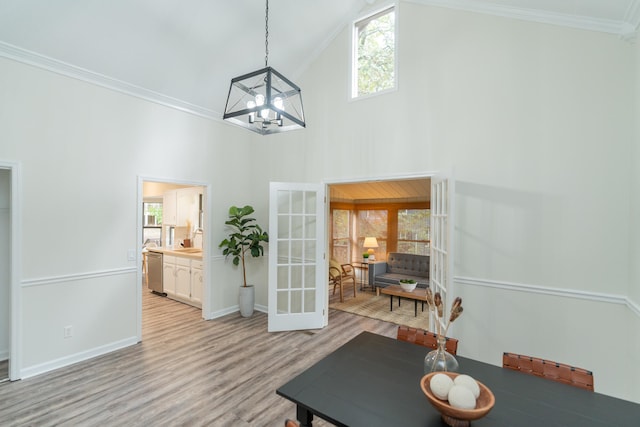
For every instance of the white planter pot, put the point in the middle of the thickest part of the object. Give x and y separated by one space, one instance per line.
246 300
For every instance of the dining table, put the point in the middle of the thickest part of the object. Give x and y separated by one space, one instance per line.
374 381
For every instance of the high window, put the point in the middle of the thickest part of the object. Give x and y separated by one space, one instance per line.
374 54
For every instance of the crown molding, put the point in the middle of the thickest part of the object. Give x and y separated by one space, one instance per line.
632 18
625 28
59 67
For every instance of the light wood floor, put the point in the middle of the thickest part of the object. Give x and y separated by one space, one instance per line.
186 372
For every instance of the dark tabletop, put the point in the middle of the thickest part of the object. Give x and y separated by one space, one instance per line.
375 381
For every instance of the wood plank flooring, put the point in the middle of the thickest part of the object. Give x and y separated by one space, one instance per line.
186 372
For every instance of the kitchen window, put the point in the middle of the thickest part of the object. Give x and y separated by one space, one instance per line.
152 223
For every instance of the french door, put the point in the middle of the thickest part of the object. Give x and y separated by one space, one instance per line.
297 273
441 256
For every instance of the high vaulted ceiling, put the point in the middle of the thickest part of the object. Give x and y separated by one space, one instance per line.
183 53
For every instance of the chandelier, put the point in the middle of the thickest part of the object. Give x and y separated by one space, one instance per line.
265 101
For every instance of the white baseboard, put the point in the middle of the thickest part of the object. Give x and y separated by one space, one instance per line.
75 358
233 309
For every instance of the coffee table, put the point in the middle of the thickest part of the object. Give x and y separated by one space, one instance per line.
418 294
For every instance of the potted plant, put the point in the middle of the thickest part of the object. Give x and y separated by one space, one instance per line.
246 237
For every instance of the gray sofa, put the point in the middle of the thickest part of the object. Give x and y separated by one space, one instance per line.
400 266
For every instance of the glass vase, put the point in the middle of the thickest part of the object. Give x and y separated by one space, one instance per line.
439 360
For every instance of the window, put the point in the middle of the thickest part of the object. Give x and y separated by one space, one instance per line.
341 235
152 223
413 231
374 58
373 223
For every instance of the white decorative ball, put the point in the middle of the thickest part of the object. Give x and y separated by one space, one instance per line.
469 382
440 385
461 397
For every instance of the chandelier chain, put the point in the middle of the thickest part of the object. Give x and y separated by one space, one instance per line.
266 36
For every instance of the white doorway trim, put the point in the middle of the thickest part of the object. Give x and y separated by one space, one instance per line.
206 247
15 340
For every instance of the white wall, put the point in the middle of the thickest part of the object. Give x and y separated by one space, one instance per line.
5 261
537 122
81 149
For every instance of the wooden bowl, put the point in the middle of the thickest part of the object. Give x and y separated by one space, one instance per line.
457 417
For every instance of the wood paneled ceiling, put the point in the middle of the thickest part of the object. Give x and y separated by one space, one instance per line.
405 191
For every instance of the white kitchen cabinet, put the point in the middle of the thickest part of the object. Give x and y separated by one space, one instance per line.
183 278
196 281
188 206
169 208
169 275
180 206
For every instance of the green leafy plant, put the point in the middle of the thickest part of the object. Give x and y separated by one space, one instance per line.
408 281
246 236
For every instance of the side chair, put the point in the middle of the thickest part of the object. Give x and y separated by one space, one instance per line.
549 369
425 338
291 423
340 275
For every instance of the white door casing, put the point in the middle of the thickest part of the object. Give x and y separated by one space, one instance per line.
297 280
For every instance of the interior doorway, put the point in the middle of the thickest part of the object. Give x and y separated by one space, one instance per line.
163 226
9 272
5 269
386 208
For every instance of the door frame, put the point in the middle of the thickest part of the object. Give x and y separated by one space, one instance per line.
15 295
206 247
375 178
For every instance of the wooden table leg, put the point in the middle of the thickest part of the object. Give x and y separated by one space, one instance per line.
304 416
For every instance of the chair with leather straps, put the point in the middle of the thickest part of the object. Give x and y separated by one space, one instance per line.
425 338
341 275
549 369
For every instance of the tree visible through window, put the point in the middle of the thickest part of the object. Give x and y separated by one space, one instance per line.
374 53
341 235
413 231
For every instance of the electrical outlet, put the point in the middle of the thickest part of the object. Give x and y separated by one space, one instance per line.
131 255
68 331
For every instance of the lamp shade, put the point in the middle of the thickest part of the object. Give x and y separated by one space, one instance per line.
370 242
265 102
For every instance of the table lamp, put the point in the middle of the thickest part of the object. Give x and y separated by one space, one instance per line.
370 243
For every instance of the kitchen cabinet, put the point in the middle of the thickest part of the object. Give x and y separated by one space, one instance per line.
170 208
169 275
182 279
182 205
196 281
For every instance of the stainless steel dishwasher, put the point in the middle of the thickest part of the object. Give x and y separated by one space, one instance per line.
154 271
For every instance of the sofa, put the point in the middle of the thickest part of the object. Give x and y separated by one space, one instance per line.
399 266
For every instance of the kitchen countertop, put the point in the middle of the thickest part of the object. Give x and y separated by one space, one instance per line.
191 253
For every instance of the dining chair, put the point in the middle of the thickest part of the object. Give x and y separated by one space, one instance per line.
549 369
291 423
340 275
425 338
